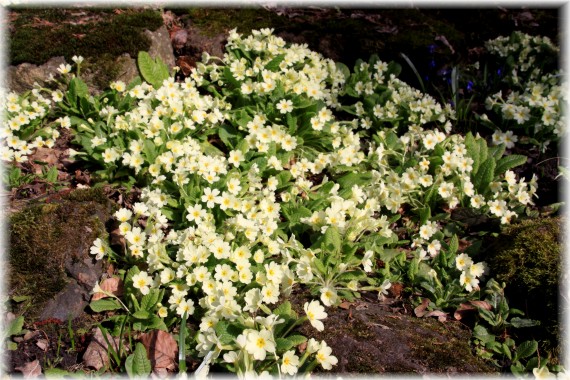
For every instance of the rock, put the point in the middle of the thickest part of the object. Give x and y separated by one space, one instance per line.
161 47
21 78
67 304
49 258
371 338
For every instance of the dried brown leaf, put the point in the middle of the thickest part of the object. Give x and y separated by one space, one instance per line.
161 348
113 285
43 344
31 369
420 310
481 304
462 310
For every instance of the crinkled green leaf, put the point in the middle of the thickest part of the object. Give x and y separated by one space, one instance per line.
105 304
509 162
137 364
154 71
484 175
526 349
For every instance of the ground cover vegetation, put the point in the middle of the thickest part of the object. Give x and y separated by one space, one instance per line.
274 168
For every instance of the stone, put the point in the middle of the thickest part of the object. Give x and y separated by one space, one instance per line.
49 256
67 304
21 78
371 337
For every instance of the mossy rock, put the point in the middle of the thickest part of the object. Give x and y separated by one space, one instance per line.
373 338
527 257
46 238
39 34
104 37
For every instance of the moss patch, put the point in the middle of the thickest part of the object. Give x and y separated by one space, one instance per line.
371 338
527 257
37 34
44 236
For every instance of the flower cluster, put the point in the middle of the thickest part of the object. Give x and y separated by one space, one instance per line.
255 178
536 93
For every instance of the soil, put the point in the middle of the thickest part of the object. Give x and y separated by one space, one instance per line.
433 39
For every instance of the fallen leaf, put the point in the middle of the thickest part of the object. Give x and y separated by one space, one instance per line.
43 344
96 355
161 348
481 304
395 291
445 42
31 334
31 369
346 305
113 285
160 373
442 316
470 307
420 310
463 310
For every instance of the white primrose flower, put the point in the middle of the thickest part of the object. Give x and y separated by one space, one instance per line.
290 363
324 357
259 343
463 261
315 312
142 281
98 249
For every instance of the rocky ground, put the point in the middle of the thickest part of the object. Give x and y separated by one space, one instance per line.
368 336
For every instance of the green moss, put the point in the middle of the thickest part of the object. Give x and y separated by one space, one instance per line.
43 236
215 21
93 33
527 257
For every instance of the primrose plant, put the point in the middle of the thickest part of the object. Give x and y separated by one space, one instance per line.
267 170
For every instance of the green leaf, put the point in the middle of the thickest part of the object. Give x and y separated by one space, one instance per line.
104 305
151 299
484 175
483 150
222 332
78 88
526 349
283 344
297 339
284 308
472 151
517 322
15 327
332 240
509 162
137 364
343 69
319 265
481 333
228 134
497 151
152 71
141 314
51 175
273 65
56 373
453 244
